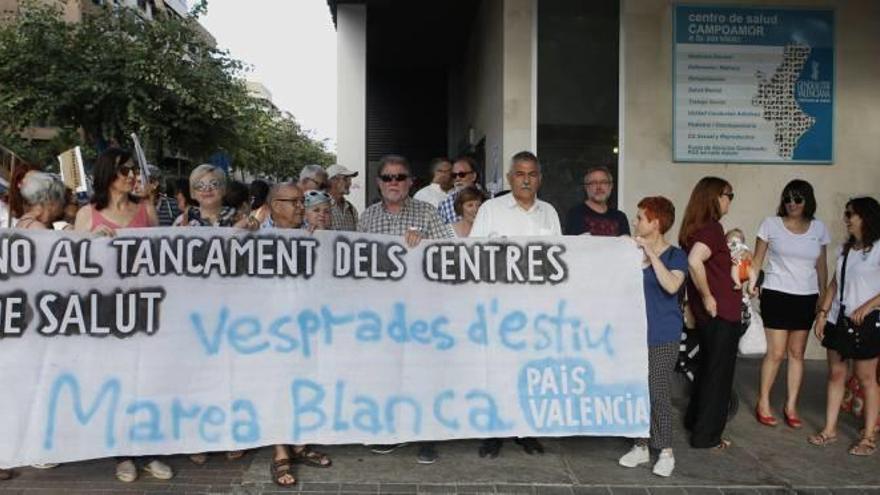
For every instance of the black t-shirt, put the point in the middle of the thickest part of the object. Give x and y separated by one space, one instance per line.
583 219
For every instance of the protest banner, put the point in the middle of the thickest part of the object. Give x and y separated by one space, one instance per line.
73 173
163 341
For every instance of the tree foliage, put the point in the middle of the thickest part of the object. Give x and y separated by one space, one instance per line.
116 73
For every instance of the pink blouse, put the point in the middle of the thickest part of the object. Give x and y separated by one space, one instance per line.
141 219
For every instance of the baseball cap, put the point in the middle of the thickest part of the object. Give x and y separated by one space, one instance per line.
334 170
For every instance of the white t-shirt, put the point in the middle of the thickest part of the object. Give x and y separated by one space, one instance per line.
431 194
791 258
505 217
862 280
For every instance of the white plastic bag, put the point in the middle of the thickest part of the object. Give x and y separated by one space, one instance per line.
753 342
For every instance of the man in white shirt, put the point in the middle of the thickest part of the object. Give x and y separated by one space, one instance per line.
437 190
519 213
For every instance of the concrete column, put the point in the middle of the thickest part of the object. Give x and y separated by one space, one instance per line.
518 123
351 95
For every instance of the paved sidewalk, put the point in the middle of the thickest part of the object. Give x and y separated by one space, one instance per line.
761 460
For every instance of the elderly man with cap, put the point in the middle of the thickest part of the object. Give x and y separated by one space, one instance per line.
312 177
343 214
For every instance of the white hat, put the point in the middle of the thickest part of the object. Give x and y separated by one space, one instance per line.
334 170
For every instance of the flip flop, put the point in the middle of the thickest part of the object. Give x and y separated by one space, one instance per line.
864 447
821 439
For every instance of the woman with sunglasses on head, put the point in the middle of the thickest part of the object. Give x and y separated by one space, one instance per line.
113 205
847 322
715 305
793 243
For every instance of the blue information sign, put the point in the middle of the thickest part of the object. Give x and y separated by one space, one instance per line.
753 85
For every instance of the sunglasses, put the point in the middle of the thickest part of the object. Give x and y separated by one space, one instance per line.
126 168
460 175
793 198
206 185
729 195
395 177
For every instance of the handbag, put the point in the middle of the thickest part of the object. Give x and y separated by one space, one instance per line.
853 341
753 341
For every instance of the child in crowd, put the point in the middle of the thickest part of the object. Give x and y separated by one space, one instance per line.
742 270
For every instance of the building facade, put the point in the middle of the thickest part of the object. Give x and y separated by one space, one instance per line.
582 83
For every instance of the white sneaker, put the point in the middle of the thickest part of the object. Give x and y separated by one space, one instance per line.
639 454
159 470
664 465
52 465
126 471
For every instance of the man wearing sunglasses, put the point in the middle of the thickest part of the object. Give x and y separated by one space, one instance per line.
399 215
464 175
439 188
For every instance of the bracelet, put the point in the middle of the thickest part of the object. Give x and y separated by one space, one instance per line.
819 311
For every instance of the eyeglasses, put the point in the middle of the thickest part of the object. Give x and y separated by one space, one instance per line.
729 195
293 201
594 183
395 177
793 198
461 175
206 185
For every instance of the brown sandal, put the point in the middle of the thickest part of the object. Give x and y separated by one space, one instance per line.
864 447
234 455
198 459
311 457
821 439
281 468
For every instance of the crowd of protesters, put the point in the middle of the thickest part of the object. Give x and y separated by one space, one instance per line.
796 294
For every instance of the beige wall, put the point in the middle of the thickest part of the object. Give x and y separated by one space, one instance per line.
646 36
492 90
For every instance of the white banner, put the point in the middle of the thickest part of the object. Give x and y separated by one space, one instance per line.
165 341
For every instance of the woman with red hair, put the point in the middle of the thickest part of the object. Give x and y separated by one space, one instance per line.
664 268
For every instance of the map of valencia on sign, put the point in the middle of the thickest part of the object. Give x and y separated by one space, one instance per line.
753 85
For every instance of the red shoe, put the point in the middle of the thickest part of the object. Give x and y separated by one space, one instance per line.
765 420
792 421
